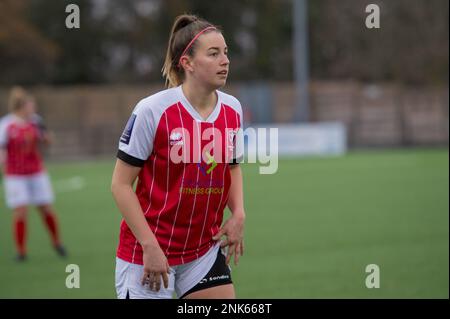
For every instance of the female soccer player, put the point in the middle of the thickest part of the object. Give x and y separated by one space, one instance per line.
25 178
182 144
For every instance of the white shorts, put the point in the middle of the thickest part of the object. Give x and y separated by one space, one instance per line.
181 277
24 190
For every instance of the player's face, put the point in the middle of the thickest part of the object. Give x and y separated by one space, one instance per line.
210 64
29 108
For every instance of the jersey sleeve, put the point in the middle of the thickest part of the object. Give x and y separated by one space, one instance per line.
3 133
136 142
37 120
39 123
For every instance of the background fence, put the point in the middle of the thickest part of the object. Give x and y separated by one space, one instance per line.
88 120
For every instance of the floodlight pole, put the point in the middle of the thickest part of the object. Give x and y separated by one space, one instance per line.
301 58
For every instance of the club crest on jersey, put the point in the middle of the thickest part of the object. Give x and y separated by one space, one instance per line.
231 139
176 139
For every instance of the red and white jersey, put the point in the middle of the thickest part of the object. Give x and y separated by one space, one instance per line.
185 178
20 140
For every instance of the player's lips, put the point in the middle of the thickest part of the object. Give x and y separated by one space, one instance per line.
223 72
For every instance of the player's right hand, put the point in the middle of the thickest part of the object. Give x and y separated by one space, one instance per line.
155 267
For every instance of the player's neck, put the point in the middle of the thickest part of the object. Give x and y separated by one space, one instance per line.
200 97
21 116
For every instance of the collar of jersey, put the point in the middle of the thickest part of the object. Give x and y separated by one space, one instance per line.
193 112
17 119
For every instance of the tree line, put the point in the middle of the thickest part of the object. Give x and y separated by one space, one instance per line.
125 41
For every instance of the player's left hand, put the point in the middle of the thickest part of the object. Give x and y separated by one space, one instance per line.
233 229
47 137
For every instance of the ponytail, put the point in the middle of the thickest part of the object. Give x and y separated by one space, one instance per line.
184 30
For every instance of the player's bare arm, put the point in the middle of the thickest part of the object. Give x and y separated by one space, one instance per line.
233 228
47 138
2 158
155 263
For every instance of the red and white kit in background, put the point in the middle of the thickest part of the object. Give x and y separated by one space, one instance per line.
26 181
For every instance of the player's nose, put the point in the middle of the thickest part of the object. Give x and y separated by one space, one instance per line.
225 61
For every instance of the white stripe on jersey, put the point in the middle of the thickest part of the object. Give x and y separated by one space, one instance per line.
151 187
209 194
168 172
195 197
223 177
148 207
236 137
182 180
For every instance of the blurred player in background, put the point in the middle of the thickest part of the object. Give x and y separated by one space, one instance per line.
26 181
173 222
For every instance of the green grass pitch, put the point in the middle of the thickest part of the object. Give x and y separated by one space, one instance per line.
311 230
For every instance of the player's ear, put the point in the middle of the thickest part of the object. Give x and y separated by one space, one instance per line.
186 64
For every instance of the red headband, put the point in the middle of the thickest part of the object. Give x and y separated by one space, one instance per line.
193 40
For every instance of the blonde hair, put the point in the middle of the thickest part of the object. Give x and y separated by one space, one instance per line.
17 98
184 29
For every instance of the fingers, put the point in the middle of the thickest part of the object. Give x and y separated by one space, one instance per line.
236 249
230 253
224 243
168 269
219 234
145 278
165 280
153 279
237 253
157 281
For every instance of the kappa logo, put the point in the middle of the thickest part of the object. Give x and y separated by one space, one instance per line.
176 139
